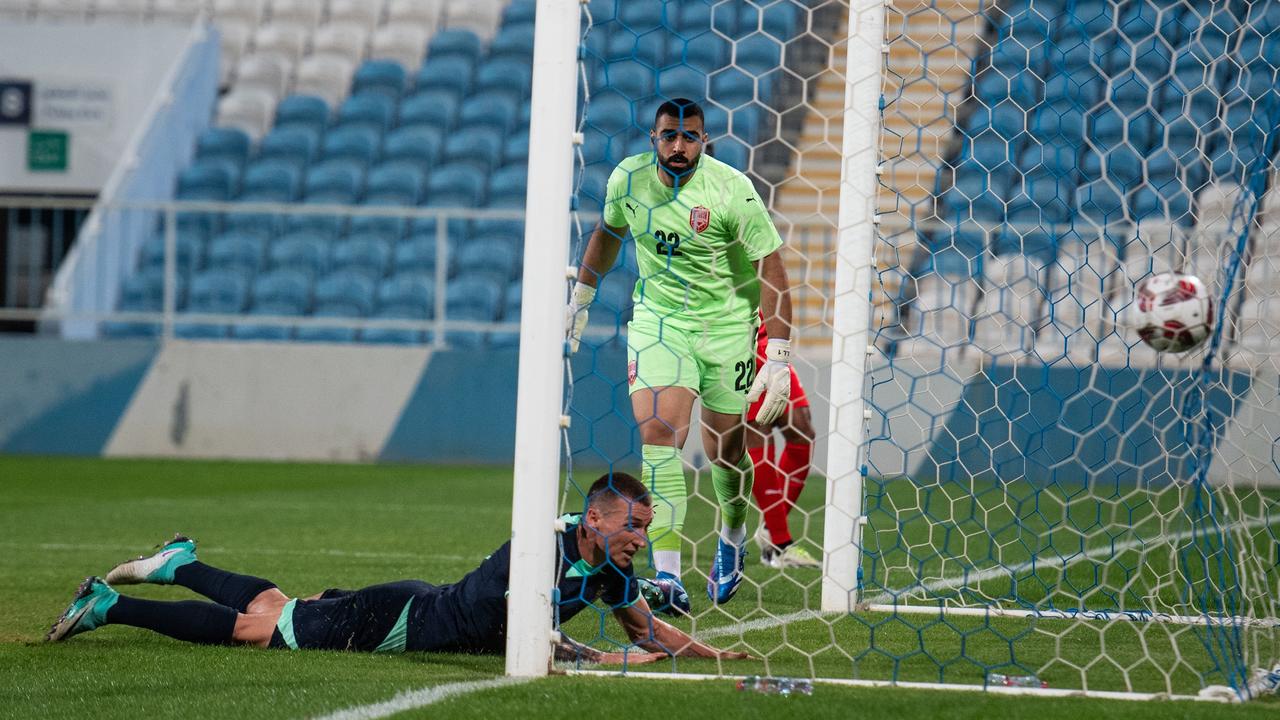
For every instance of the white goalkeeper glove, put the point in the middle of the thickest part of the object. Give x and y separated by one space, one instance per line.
576 314
774 380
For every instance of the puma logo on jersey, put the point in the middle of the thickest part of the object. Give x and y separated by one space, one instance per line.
629 207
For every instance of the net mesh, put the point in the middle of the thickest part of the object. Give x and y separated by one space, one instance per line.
1044 495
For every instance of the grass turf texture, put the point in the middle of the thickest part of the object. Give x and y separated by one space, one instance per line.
307 527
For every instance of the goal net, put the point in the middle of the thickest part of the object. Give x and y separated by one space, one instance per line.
1008 485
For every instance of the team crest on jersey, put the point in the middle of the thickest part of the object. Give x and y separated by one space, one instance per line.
699 219
631 373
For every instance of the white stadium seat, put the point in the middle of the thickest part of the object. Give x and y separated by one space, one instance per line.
405 44
285 39
326 76
248 109
360 12
306 13
481 17
344 39
234 36
249 11
267 71
425 14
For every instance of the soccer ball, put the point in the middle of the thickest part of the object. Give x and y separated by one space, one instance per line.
1173 312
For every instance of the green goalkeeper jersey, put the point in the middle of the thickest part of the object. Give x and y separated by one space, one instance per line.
695 248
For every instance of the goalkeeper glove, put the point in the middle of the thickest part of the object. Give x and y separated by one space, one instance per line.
774 381
576 314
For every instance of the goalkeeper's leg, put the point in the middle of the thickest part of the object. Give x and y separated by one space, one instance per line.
663 417
732 475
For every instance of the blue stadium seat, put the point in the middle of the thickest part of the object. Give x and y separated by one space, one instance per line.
339 295
641 17
707 53
294 144
396 180
416 255
352 143
782 20
498 228
610 113
189 247
306 252
242 252
693 18
389 227
758 54
513 42
222 142
305 110
489 110
208 179
1099 204
409 296
516 148
417 144
219 292
334 181
380 76
139 293
437 108
603 11
509 180
594 181
493 257
373 110
271 180
519 12
471 299
681 82
507 76
457 178
631 79
733 152
452 73
732 88
480 146
369 254
280 293
454 43
650 49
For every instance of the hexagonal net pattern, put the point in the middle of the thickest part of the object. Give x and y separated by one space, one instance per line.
1042 494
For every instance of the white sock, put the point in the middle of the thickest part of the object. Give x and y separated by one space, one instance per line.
667 561
734 536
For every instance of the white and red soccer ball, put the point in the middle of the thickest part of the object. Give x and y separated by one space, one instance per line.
1173 312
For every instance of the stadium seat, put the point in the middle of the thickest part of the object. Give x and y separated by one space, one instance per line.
189 246
495 258
418 144
283 38
399 42
610 113
248 110
300 251
510 77
223 143
631 79
681 82
270 177
478 146
359 143
514 43
345 40
250 11
497 111
480 16
268 72
358 12
242 252
453 73
326 76
509 180
396 180
732 88
139 293
218 292
209 179
417 255
707 53
335 180
454 43
390 227
424 15
368 254
758 54
408 296
692 18
380 76
519 12
304 13
371 109
296 145
283 293
462 180
308 111
436 108
339 295
649 49
471 299
640 17
516 148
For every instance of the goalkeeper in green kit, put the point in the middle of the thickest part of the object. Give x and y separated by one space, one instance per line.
708 259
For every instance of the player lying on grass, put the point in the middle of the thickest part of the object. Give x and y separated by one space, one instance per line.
709 260
779 482
468 616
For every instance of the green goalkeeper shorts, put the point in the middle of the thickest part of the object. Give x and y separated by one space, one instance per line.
717 362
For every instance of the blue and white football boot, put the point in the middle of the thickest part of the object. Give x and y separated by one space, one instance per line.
665 594
726 572
156 569
87 611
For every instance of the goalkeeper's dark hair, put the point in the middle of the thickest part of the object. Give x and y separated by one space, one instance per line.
680 109
617 485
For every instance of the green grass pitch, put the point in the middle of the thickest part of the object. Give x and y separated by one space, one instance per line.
308 527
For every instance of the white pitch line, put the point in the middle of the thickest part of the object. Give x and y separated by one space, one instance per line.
951 583
413 699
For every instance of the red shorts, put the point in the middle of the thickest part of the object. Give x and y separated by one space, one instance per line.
798 398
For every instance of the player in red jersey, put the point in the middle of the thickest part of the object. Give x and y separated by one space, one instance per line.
780 476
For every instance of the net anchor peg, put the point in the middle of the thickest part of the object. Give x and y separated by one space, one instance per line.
871 349
565 421
579 138
555 637
560 525
875 219
571 272
866 413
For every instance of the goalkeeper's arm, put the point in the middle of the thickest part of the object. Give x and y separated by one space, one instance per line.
601 253
654 635
774 378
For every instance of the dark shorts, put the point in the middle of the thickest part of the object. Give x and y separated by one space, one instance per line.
373 619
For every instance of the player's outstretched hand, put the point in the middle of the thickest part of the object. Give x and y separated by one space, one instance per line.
774 381
631 658
576 314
